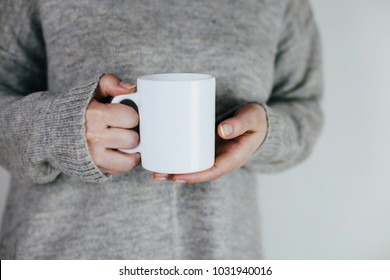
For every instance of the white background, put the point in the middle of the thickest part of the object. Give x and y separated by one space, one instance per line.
336 205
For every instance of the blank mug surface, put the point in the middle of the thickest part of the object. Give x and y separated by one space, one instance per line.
177 122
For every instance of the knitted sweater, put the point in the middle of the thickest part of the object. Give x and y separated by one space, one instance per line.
52 53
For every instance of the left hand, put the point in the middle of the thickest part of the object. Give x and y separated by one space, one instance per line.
238 138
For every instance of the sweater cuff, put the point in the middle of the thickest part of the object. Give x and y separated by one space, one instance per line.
270 148
70 152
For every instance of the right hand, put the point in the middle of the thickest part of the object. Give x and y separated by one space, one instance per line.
109 127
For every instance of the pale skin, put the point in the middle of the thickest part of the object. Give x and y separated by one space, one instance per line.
110 127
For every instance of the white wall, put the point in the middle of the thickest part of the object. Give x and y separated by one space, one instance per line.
337 204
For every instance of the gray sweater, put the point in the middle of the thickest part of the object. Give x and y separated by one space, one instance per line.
52 53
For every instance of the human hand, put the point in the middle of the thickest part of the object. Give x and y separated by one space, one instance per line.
108 127
237 139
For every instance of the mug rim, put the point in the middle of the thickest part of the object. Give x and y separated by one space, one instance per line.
176 77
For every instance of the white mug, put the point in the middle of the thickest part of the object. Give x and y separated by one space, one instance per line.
177 122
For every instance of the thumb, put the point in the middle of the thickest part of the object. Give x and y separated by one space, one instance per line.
230 128
110 85
247 118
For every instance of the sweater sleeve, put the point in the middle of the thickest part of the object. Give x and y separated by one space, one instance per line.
293 109
42 133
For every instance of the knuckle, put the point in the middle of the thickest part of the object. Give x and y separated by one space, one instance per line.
106 82
93 139
92 107
105 78
257 114
95 112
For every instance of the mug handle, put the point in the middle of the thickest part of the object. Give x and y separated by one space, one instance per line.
135 98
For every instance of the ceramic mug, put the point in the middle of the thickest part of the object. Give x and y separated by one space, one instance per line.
176 120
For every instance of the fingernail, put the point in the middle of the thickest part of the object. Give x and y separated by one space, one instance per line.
180 181
160 179
126 85
226 129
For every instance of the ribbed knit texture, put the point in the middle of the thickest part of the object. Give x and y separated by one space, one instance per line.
52 53
46 151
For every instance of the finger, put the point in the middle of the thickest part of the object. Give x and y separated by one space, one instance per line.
117 162
110 85
113 138
224 163
100 115
160 176
220 168
121 116
118 138
247 119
